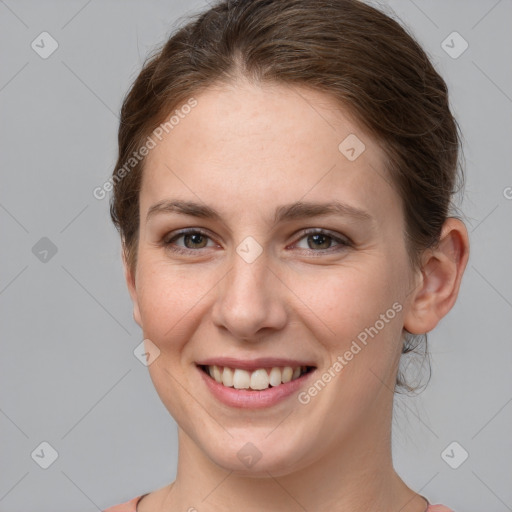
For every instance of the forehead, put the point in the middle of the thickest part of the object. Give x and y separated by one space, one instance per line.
245 145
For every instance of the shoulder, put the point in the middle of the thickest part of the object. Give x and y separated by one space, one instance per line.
128 506
438 508
131 506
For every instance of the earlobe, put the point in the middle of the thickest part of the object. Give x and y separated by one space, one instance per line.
441 275
130 282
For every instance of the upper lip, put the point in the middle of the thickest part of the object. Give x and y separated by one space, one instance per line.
253 364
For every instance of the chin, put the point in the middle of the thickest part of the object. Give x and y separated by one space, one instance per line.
246 455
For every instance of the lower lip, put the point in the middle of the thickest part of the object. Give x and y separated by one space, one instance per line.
246 399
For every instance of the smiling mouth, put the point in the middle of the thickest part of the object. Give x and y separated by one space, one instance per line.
257 380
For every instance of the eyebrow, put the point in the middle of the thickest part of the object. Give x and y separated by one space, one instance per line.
288 212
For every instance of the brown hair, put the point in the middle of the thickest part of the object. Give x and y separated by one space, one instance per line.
344 48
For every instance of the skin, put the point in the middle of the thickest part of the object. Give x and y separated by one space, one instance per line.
244 150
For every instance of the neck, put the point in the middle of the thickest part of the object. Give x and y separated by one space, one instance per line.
356 473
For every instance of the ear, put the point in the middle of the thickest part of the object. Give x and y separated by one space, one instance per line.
439 282
130 282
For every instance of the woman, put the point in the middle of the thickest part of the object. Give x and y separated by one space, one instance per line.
283 195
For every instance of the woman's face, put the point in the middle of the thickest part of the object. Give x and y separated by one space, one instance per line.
254 283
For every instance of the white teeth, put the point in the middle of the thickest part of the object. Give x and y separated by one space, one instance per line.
257 380
275 377
287 374
217 375
227 377
241 379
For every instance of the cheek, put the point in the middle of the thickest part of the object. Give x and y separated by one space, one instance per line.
171 302
352 299
169 299
361 306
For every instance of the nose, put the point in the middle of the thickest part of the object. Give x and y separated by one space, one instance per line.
250 300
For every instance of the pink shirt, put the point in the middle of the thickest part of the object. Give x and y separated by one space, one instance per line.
131 506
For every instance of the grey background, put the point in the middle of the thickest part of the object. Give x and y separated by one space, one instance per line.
68 373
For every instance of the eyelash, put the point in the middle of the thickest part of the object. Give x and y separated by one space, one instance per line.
343 243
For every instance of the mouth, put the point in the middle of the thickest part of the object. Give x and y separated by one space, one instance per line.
258 379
